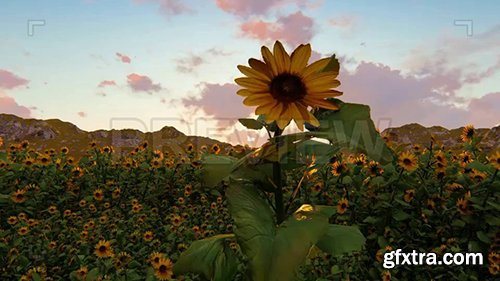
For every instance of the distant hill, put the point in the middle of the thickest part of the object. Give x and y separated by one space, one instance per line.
418 134
54 133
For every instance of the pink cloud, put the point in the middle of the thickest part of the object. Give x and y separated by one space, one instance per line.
483 112
9 80
344 22
106 83
257 7
82 114
189 64
142 83
169 7
10 106
302 26
220 102
123 58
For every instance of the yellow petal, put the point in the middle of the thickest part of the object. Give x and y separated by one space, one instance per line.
285 118
252 84
275 113
321 103
325 94
299 58
257 99
321 82
282 58
315 67
269 60
250 72
244 92
260 66
265 108
297 116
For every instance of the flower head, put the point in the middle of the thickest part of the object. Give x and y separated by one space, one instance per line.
283 86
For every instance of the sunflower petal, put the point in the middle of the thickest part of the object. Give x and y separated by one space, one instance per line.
269 60
299 58
257 99
297 116
251 83
325 94
275 113
321 82
282 58
250 72
285 117
315 67
265 108
260 66
244 92
321 103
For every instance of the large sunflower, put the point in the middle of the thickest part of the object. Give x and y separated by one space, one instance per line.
283 86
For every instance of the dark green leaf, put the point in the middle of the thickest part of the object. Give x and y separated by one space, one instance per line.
341 239
251 123
209 257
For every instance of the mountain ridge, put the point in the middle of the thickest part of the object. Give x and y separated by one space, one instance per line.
55 133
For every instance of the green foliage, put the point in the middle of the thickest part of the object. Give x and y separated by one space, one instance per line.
210 257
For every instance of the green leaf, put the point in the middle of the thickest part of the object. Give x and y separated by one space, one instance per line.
209 257
273 253
400 215
341 239
483 237
92 274
352 127
333 65
251 123
254 226
216 168
294 239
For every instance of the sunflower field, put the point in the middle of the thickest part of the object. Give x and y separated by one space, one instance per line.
322 204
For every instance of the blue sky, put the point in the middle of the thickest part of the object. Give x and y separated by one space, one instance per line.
169 60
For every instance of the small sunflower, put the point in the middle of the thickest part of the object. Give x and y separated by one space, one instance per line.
465 158
98 194
23 230
52 210
409 195
154 259
215 148
44 159
494 257
176 220
494 268
64 150
12 220
18 196
374 168
116 193
103 249
455 186
156 163
386 276
81 273
463 206
477 175
468 133
164 271
317 187
148 236
495 160
29 162
338 168
283 86
342 205
407 161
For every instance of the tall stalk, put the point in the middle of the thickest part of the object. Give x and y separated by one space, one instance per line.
278 192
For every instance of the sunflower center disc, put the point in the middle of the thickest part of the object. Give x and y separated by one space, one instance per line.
287 88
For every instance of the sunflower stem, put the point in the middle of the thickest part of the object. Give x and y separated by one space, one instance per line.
278 192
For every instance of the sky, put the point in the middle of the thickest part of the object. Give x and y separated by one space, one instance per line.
144 64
